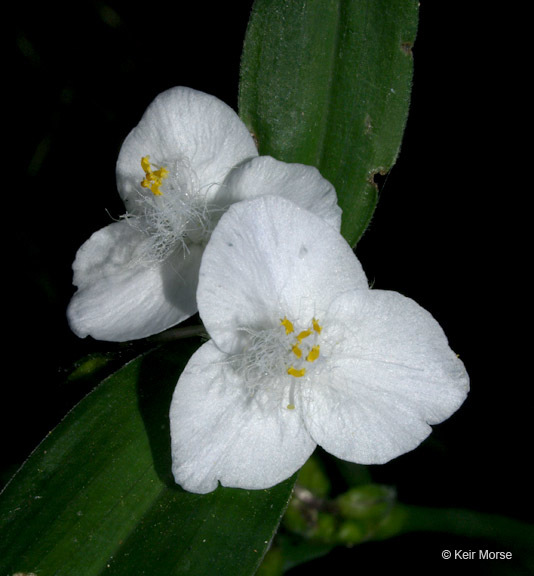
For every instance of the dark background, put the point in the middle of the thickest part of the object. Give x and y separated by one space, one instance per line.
445 231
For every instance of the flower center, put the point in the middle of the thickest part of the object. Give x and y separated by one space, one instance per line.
272 355
304 348
174 212
153 178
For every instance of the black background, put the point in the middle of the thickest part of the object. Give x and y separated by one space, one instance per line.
445 231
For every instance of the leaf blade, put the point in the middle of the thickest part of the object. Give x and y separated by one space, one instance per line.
97 495
328 84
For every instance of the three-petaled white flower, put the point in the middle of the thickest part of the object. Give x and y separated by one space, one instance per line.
302 353
178 170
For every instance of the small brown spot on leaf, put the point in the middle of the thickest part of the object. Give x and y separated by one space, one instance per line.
255 138
378 177
407 47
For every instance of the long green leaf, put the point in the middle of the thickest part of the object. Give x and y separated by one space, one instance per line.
97 495
328 83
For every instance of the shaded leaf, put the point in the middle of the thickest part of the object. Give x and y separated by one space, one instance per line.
328 83
98 496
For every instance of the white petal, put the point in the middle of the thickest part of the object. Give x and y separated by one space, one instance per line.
299 183
268 258
182 122
221 433
391 373
121 298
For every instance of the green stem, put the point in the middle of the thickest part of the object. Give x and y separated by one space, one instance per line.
507 532
178 333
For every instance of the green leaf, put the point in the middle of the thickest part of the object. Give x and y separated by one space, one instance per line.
97 496
328 83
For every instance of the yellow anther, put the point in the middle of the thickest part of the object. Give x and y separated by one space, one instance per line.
316 326
292 371
153 178
297 351
303 334
145 164
161 173
288 325
290 406
313 354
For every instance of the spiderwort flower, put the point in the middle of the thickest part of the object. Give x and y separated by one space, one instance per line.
302 353
178 170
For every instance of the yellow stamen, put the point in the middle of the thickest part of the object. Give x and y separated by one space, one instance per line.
291 407
316 326
288 325
153 178
145 164
296 373
297 351
313 354
303 334
161 173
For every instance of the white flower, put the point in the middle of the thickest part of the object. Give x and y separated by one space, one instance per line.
186 161
302 353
